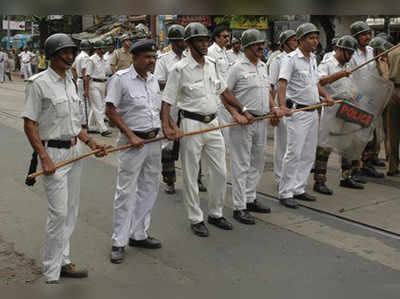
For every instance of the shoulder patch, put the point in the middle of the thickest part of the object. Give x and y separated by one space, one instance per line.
36 76
121 72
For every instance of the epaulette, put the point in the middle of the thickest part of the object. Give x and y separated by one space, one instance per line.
291 54
36 76
210 59
121 72
163 54
181 64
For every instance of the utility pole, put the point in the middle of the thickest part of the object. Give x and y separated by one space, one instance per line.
8 32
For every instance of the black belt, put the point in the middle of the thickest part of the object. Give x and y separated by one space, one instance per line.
290 104
203 118
60 143
50 143
99 80
147 135
397 85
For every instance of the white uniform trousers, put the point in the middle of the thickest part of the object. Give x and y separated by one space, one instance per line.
98 106
247 161
224 117
302 139
279 147
63 194
138 180
210 147
2 70
26 68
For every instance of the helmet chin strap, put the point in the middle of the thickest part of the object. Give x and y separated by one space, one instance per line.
196 49
64 60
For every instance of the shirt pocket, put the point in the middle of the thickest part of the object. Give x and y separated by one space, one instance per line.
60 105
139 100
195 90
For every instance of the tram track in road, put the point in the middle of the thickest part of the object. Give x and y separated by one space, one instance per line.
343 219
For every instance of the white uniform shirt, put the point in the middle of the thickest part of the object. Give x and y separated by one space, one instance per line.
96 67
165 64
327 56
329 67
3 58
193 87
302 77
137 100
107 60
80 62
233 57
274 68
221 59
359 58
25 56
54 104
250 84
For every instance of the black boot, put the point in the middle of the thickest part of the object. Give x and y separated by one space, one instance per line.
320 187
350 183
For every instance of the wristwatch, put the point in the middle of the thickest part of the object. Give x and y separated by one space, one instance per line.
244 109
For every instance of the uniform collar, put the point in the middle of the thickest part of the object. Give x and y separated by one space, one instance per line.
134 74
192 62
300 54
247 61
54 76
219 49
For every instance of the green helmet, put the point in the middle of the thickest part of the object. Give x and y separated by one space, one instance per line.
176 32
359 27
304 29
388 45
109 41
285 35
235 40
378 43
251 37
383 35
347 42
57 42
124 37
335 40
99 44
84 45
195 30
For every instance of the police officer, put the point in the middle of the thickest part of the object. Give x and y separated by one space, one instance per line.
299 87
288 43
331 71
362 32
122 58
25 57
194 86
108 56
52 123
249 82
80 64
164 65
95 87
234 54
133 105
392 115
217 51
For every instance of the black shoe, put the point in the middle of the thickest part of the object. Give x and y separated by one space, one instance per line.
93 131
257 207
289 202
170 189
305 196
72 271
320 187
117 255
378 162
358 177
244 217
106 133
393 173
350 183
202 188
370 171
220 222
149 243
200 229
